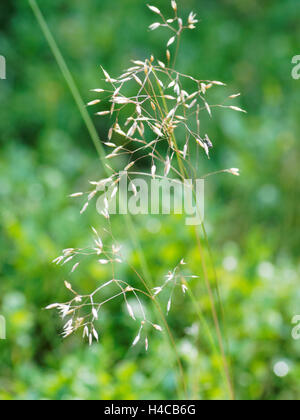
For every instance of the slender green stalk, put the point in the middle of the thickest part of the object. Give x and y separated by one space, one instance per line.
87 120
207 329
68 77
101 152
226 372
215 318
216 283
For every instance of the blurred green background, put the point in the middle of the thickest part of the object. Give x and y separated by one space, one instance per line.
252 221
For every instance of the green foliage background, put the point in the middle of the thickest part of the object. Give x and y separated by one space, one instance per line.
46 154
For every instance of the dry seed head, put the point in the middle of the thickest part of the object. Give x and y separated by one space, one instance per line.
157 327
234 96
157 290
216 82
85 332
95 334
95 313
171 41
130 165
184 288
103 262
105 214
99 243
235 171
134 189
84 208
92 195
75 267
235 108
204 146
114 193
153 171
154 26
136 340
95 102
157 131
169 305
108 79
203 88
130 311
137 79
139 109
53 306
95 231
110 134
102 113
78 322
68 285
184 153
174 5
68 251
168 55
79 194
162 125
192 18
167 166
154 9
208 109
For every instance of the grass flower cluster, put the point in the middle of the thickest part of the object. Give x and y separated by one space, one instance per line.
155 123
